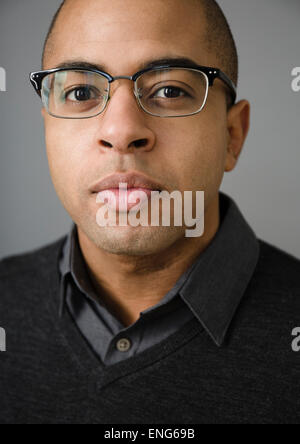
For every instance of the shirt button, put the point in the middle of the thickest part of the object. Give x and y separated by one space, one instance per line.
123 345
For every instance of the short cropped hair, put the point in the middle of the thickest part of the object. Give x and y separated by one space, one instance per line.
218 37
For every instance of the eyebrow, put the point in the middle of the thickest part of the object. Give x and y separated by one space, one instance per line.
182 61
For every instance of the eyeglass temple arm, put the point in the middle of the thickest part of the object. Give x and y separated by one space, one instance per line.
229 83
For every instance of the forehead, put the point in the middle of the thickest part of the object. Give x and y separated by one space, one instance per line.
120 34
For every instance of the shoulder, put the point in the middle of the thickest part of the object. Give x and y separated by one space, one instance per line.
25 277
269 313
277 270
270 308
29 262
26 282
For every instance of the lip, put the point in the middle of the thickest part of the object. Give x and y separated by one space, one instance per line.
123 200
132 180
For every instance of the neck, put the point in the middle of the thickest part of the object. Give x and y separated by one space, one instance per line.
129 285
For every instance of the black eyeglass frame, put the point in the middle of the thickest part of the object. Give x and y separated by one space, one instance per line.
37 77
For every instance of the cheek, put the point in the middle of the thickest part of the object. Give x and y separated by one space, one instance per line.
198 152
211 154
67 150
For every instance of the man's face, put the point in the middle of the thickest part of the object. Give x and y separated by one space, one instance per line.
184 154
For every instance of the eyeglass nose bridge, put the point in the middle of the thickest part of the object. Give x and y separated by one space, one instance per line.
121 77
136 93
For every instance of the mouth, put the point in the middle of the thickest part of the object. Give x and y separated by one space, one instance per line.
131 180
124 191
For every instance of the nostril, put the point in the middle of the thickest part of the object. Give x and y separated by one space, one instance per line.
103 142
140 143
137 143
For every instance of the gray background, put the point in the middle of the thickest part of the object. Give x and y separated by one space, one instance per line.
266 182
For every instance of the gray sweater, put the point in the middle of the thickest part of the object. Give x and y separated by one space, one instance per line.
49 374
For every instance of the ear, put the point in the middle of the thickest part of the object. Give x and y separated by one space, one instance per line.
238 122
43 112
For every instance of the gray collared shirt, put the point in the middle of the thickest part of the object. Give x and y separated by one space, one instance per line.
210 290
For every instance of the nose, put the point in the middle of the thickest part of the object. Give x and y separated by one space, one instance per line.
123 124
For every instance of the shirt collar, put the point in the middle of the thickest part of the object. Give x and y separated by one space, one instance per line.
72 267
222 272
216 280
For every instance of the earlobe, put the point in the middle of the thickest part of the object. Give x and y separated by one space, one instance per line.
238 123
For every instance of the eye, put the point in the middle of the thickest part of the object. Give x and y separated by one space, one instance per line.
82 94
170 92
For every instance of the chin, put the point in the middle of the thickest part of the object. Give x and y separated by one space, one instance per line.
135 241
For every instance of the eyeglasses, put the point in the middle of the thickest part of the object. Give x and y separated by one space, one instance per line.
163 91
